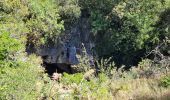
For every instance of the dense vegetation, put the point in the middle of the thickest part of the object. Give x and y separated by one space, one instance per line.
133 33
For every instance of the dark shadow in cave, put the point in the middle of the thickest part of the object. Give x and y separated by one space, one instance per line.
57 67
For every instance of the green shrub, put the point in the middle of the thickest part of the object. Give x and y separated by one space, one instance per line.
26 81
70 79
45 23
19 74
126 29
39 20
165 81
69 10
9 47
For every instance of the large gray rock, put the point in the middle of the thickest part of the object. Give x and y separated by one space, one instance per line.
72 56
69 45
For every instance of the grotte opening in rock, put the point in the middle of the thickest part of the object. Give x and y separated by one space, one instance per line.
51 68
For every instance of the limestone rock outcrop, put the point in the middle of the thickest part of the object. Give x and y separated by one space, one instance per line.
75 38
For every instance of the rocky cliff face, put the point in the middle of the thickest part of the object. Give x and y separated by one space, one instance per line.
75 39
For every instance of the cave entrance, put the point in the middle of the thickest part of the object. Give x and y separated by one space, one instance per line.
51 68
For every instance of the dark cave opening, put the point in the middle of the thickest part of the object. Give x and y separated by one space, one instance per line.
51 68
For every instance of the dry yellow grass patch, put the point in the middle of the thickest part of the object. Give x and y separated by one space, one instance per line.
139 89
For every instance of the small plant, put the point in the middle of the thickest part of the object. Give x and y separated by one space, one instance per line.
165 81
106 66
69 79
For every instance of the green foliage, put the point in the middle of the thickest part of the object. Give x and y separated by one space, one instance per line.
69 79
119 26
35 22
83 88
106 66
26 81
44 19
165 81
39 21
125 27
69 10
84 64
144 14
12 15
16 82
8 47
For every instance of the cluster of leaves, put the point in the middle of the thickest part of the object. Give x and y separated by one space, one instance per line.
76 78
127 27
9 48
16 82
69 10
84 89
165 82
45 20
24 81
37 21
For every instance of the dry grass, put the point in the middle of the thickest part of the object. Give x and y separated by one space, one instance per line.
139 89
122 89
122 86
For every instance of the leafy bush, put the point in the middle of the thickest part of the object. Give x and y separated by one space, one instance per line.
44 20
25 81
165 81
9 47
19 74
39 20
69 10
69 79
125 29
83 89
